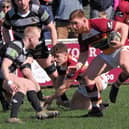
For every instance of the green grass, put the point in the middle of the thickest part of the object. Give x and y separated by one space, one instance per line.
115 117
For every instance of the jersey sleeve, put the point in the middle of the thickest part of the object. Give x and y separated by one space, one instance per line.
102 24
12 51
45 16
72 61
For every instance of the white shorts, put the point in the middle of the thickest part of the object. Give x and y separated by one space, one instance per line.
104 80
113 59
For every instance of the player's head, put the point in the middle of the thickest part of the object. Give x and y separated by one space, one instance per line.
60 53
22 5
32 35
78 21
59 48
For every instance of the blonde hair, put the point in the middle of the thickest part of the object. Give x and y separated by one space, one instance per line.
31 31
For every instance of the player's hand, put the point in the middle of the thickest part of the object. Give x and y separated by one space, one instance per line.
12 87
115 44
48 100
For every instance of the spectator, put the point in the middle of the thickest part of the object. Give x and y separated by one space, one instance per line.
122 11
62 10
116 4
6 6
97 6
1 4
35 1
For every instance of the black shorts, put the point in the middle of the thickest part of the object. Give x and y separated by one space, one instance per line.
41 51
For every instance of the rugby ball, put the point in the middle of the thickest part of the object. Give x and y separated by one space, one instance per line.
114 36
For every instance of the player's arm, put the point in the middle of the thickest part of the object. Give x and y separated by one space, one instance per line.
5 68
48 21
9 77
52 28
27 72
10 55
123 29
62 89
72 74
26 68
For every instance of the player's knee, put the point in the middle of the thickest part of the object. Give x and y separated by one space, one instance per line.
29 85
125 68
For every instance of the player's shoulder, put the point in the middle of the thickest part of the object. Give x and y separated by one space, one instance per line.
17 43
35 8
38 9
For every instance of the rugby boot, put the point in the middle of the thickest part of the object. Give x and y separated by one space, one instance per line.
94 112
14 120
104 105
44 114
52 113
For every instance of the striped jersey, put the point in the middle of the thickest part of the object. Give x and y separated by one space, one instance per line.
36 16
16 52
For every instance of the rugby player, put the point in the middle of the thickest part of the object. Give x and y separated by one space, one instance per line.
114 52
17 56
70 71
23 14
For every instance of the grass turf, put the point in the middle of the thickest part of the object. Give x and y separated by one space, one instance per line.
116 116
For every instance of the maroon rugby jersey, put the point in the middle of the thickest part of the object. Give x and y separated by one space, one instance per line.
97 37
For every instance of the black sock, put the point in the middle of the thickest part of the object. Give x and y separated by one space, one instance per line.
16 102
64 97
5 104
33 99
40 95
93 94
122 78
2 99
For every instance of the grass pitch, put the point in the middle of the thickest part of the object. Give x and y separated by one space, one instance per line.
116 116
